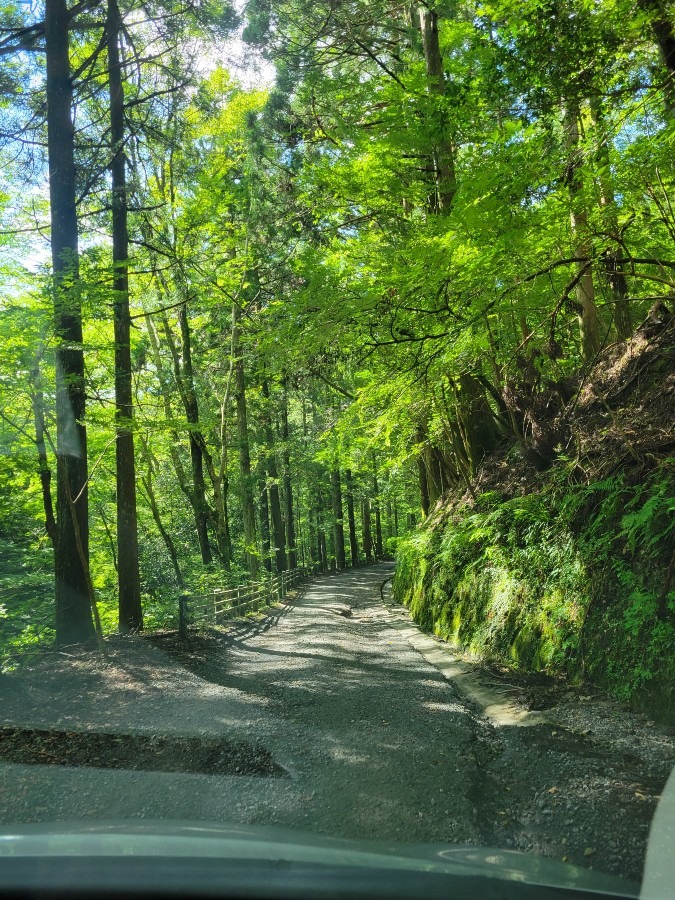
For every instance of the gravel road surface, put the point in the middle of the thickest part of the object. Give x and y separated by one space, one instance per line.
368 738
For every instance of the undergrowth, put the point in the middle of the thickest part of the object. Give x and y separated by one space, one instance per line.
27 614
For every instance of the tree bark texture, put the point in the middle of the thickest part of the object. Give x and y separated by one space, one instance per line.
379 548
196 455
477 424
278 528
367 530
288 487
425 501
321 535
338 524
589 324
612 269
74 623
130 609
265 544
444 162
248 508
353 541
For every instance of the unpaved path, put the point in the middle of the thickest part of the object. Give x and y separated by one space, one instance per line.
375 741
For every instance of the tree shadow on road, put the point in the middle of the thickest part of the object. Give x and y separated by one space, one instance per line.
205 652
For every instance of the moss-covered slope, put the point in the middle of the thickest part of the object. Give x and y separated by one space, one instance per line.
574 576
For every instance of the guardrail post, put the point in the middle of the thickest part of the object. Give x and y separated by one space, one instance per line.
182 617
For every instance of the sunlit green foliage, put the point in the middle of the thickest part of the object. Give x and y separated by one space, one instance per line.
391 246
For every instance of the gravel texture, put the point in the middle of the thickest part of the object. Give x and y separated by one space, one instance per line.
374 742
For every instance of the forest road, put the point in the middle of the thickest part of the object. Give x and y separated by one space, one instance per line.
374 742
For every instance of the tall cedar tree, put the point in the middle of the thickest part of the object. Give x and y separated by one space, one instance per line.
130 611
74 623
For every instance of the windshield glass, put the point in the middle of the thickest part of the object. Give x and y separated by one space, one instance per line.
337 390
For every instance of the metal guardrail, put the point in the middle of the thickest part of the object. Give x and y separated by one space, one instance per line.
215 606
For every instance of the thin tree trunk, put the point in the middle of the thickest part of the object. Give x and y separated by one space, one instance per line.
288 489
353 541
248 508
220 518
314 553
434 476
217 516
321 535
168 412
220 478
444 162
130 609
264 520
589 325
367 531
74 611
186 389
379 549
111 540
612 269
146 480
275 500
422 473
301 523
196 454
338 524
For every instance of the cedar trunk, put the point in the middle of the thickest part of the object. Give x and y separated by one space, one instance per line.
353 542
425 501
367 532
196 453
613 271
248 508
74 623
444 162
130 610
288 487
379 549
589 325
338 525
278 529
265 522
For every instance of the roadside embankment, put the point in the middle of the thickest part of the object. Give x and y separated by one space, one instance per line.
568 571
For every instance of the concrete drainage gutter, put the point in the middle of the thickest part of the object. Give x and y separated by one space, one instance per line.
500 710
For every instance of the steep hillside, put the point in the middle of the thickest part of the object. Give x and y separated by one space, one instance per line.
568 568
